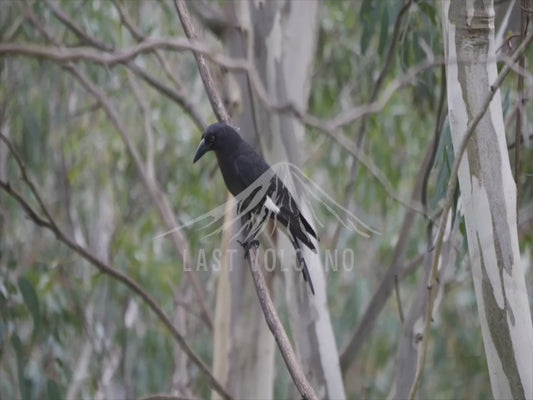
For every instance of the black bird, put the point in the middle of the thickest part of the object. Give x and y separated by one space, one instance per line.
258 189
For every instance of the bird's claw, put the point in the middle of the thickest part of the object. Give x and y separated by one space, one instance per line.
247 245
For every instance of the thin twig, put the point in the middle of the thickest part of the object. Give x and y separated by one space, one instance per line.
49 222
398 298
471 129
276 327
386 286
139 36
209 84
67 21
364 121
149 133
330 127
163 206
176 95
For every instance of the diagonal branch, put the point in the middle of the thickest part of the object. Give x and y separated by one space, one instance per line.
330 127
177 95
163 205
276 327
269 311
209 84
66 20
49 223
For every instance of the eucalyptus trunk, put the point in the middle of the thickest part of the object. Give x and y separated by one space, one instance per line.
488 197
244 347
282 40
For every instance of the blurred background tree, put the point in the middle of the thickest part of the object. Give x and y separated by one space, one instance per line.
107 138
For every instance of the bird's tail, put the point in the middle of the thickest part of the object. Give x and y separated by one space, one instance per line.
303 264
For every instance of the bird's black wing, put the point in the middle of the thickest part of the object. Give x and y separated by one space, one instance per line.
252 175
261 181
264 189
289 214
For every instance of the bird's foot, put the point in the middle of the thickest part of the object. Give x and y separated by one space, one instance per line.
247 245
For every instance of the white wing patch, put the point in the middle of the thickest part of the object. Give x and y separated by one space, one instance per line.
269 203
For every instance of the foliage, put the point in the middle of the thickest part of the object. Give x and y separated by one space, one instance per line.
65 327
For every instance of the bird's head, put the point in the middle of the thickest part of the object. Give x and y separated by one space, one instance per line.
217 137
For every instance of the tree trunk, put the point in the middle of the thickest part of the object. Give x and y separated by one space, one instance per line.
282 43
488 195
244 347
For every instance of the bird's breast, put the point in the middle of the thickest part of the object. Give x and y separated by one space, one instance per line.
229 174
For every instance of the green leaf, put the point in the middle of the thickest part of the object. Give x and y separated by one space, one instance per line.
429 10
32 301
53 392
24 383
367 9
443 161
2 337
384 33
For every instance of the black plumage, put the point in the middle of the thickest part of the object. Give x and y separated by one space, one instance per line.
260 192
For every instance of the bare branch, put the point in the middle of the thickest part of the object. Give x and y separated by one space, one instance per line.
176 95
269 311
163 205
49 223
66 20
209 84
84 53
276 327
145 110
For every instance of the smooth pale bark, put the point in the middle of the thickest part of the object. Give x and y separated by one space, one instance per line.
281 43
488 195
244 347
280 39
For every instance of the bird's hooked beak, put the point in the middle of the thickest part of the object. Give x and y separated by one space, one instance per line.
200 151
